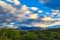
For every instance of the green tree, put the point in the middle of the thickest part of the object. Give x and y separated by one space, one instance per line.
10 34
42 36
30 36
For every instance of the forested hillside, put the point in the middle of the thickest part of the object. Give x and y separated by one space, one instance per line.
13 34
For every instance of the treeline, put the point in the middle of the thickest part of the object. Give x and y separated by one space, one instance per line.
13 34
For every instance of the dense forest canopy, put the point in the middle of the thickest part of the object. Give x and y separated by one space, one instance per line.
12 34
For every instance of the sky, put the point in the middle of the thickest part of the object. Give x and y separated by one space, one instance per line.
30 13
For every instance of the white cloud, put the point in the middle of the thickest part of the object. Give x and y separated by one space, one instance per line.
24 9
46 19
20 14
33 16
58 14
56 23
10 1
10 9
34 8
55 11
16 2
47 12
40 11
45 24
40 25
7 7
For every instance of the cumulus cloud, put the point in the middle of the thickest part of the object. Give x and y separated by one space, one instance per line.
7 7
20 15
10 1
55 10
40 11
58 14
34 8
6 17
45 24
16 2
33 16
12 10
46 19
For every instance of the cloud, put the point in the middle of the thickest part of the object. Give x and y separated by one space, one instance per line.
46 19
16 2
7 7
40 25
55 23
6 17
33 16
44 1
56 11
10 1
58 14
45 24
20 15
34 8
24 9
40 11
